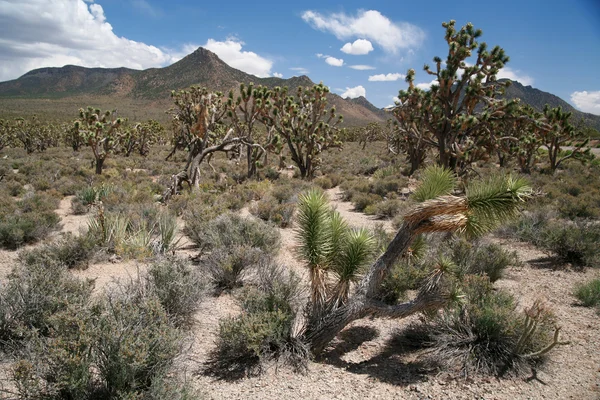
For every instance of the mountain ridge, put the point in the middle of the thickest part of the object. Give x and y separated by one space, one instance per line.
151 88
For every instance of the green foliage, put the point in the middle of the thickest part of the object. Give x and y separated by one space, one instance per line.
588 293
37 290
134 341
305 124
227 266
229 230
72 251
484 333
435 181
28 221
178 287
100 131
263 332
270 209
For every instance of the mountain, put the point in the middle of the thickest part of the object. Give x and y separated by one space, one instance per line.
538 99
60 82
151 88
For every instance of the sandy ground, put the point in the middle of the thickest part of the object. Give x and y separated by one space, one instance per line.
365 362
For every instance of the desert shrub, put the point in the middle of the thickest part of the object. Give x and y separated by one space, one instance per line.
229 230
484 333
178 287
18 230
385 209
227 266
528 227
269 209
479 258
575 243
283 193
588 293
28 220
263 331
134 341
324 182
403 277
36 290
386 185
72 251
361 201
586 205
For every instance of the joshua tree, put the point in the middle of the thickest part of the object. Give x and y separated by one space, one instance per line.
304 123
6 134
140 137
555 131
457 114
244 112
484 205
100 131
369 133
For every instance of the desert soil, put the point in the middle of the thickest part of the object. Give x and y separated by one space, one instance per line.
365 361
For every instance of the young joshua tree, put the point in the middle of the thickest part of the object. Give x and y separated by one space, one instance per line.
483 207
100 131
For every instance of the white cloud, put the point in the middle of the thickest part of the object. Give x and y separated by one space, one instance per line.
46 33
300 70
53 33
515 75
277 75
354 92
386 77
334 62
362 67
231 52
427 85
358 48
587 101
371 25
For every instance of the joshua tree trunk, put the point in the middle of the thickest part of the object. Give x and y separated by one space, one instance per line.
99 165
321 331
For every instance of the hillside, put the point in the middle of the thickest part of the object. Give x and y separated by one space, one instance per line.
538 99
147 92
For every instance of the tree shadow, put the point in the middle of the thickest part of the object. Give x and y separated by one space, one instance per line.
388 365
555 263
552 263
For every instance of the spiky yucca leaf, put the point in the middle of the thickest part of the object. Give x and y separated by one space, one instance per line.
313 232
357 250
338 234
436 181
349 266
493 201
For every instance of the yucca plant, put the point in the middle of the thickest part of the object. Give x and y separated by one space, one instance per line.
355 252
484 206
314 235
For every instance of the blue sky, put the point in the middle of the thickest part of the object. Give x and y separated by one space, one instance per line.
553 45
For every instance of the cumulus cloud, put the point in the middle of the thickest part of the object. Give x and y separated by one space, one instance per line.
300 70
277 75
354 92
231 52
358 48
53 33
334 62
587 101
515 75
371 25
362 67
426 85
386 77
